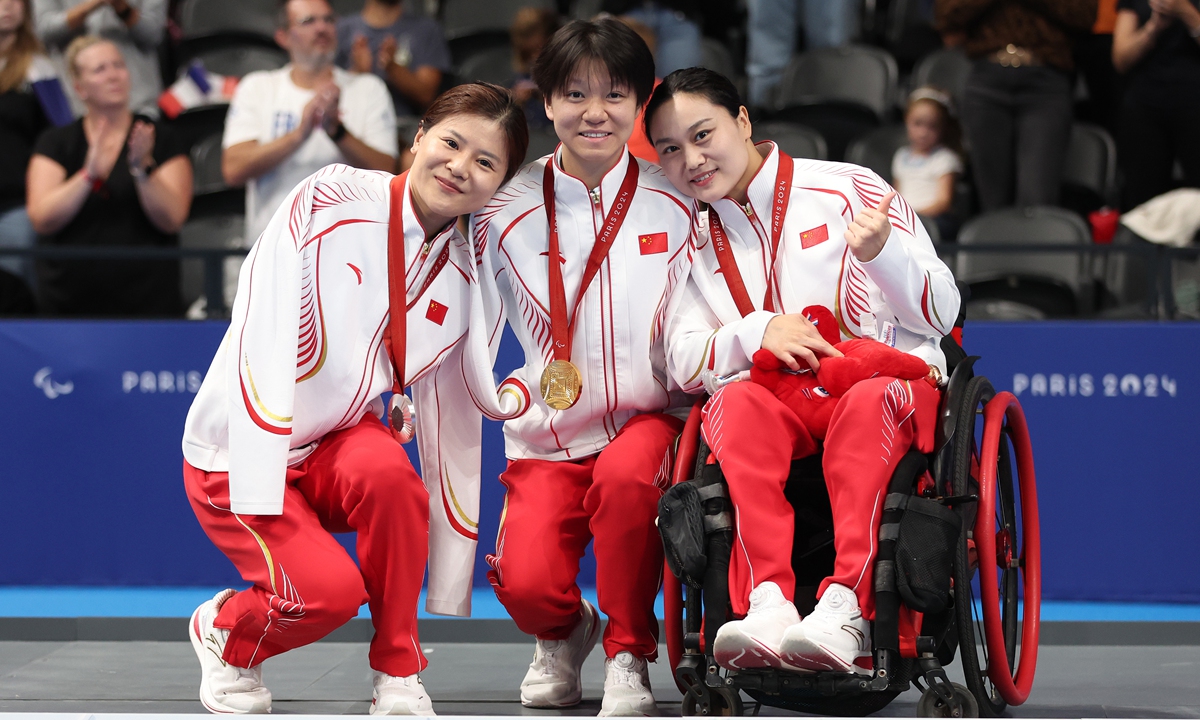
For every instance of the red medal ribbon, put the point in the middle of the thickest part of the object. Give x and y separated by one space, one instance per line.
396 339
729 268
560 326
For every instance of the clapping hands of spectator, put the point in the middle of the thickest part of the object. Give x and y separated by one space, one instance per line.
141 145
870 229
322 110
360 55
1181 10
103 149
387 53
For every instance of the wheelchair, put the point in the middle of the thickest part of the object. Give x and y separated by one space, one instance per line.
991 615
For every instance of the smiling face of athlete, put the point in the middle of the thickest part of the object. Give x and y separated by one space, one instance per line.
458 164
593 117
706 153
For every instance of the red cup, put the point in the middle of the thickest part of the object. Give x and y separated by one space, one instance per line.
1104 225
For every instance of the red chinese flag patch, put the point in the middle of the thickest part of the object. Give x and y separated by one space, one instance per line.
436 312
816 236
652 244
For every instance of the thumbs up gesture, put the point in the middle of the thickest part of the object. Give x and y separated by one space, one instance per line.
870 230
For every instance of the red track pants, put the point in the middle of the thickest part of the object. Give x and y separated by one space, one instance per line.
755 437
552 510
305 585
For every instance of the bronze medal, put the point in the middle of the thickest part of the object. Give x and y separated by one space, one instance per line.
561 384
402 415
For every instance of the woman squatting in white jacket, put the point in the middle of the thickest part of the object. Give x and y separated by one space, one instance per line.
360 285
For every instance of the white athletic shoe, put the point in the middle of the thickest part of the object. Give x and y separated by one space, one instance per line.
834 637
553 677
400 696
754 642
224 688
627 687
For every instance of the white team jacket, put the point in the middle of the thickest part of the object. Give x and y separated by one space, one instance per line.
905 296
618 335
304 356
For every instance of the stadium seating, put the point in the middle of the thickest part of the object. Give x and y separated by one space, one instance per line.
461 18
491 64
541 142
212 196
207 18
947 69
716 57
795 140
1057 284
857 74
238 60
876 149
1090 169
215 231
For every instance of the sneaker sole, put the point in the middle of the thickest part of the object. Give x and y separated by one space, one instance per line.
735 650
206 697
625 709
588 645
807 654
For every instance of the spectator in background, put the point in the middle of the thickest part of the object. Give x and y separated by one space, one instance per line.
530 31
23 117
1157 43
136 27
925 170
409 53
108 179
771 36
284 125
1017 105
675 25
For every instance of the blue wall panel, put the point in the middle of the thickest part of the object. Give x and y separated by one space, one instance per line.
92 413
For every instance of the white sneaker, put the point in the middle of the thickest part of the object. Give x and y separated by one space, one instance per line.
224 688
553 677
834 637
754 642
627 687
400 696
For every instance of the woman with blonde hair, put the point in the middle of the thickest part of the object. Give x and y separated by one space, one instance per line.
109 178
30 99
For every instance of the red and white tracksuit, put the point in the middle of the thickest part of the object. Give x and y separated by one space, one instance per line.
905 297
597 469
283 443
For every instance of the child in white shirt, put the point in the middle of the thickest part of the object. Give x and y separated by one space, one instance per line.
925 170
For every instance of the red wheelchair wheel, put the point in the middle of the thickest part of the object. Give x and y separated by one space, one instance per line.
685 461
1001 557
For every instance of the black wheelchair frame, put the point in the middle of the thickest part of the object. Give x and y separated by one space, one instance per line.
973 475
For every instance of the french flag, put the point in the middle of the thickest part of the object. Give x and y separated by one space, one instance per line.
194 88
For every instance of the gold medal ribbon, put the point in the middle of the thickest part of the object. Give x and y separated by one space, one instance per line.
561 382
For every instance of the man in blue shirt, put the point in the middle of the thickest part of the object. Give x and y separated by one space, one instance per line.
407 51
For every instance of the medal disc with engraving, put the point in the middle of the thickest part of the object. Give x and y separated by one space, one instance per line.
561 384
402 415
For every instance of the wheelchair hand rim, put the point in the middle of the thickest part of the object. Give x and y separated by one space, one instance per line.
1013 687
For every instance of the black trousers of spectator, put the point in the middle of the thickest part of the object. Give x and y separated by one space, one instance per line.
1018 122
1151 139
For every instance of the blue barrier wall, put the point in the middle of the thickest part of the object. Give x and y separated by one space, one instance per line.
92 414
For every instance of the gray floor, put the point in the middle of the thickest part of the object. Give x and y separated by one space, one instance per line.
481 679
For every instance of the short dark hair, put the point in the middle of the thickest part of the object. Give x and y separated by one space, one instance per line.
488 101
712 86
608 41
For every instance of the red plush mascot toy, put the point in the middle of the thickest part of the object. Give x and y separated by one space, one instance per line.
813 396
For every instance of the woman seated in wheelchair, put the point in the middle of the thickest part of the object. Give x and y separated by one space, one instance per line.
784 242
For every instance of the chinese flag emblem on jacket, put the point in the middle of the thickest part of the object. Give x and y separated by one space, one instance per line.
816 236
436 312
652 244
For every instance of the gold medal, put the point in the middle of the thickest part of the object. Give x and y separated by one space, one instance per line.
561 384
